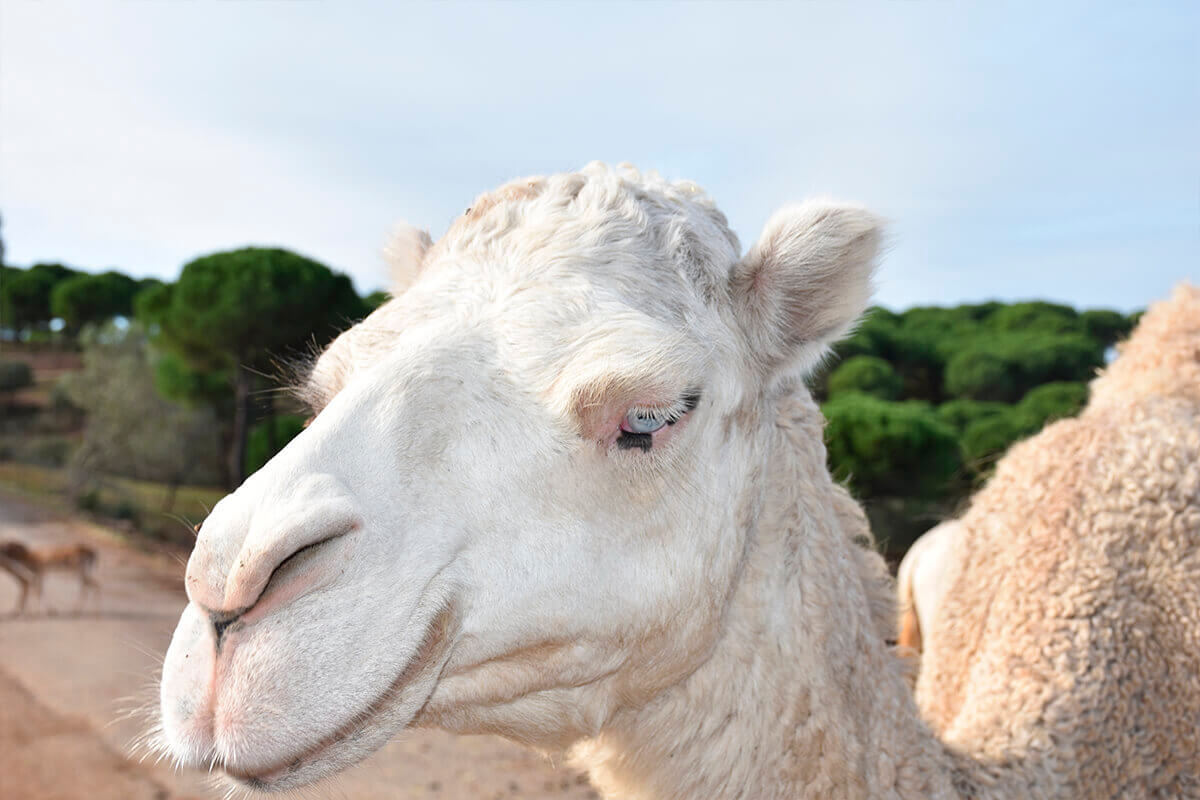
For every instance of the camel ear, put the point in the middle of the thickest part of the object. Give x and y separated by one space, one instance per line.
405 252
805 282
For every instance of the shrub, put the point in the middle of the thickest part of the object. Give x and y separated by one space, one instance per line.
1036 316
89 500
985 439
14 375
1052 401
1107 327
867 374
978 373
125 510
1004 367
888 448
960 414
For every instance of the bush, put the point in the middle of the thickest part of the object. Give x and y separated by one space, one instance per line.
1004 367
1108 327
89 500
888 448
268 437
14 375
375 299
1036 316
1052 401
129 430
985 439
1073 358
913 351
40 450
125 510
960 414
977 373
867 374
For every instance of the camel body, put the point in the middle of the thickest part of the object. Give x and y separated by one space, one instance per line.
568 487
920 582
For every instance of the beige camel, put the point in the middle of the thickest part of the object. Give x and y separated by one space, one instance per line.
568 487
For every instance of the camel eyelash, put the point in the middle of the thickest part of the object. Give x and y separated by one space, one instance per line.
658 418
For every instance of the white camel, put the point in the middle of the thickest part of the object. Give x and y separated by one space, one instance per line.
568 487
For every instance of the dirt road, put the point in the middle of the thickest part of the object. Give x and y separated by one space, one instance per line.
69 681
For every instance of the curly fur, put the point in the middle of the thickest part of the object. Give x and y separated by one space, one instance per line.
1066 646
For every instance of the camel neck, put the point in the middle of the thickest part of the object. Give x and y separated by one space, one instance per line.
800 698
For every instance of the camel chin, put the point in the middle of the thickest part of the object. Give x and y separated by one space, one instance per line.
249 727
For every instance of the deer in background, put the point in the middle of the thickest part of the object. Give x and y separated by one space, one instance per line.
30 564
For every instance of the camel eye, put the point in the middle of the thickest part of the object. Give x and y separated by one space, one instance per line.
642 422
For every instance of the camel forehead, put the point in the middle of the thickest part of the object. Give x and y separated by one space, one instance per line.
618 226
600 264
551 339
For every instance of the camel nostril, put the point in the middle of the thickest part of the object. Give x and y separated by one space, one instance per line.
228 579
221 623
302 571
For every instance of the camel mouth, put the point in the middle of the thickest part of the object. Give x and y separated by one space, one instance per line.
322 757
367 730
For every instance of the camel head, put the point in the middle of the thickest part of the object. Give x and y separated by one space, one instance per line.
523 500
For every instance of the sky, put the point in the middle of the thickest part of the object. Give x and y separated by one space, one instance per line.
1019 150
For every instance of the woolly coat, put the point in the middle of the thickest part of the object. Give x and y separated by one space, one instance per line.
1065 658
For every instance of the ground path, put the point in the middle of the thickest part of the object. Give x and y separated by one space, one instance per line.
68 680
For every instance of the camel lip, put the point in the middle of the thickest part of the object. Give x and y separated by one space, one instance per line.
268 778
429 655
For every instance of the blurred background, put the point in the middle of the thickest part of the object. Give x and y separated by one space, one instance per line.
193 198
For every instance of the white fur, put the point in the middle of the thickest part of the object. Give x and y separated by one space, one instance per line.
465 450
473 548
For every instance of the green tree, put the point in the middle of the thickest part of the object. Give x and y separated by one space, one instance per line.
236 311
26 296
179 381
129 429
7 273
375 299
269 437
90 298
868 374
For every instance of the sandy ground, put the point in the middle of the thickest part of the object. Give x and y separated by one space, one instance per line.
69 683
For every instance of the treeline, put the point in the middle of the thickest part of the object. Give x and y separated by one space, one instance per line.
179 380
921 403
32 299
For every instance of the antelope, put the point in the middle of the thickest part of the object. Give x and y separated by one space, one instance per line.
30 564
